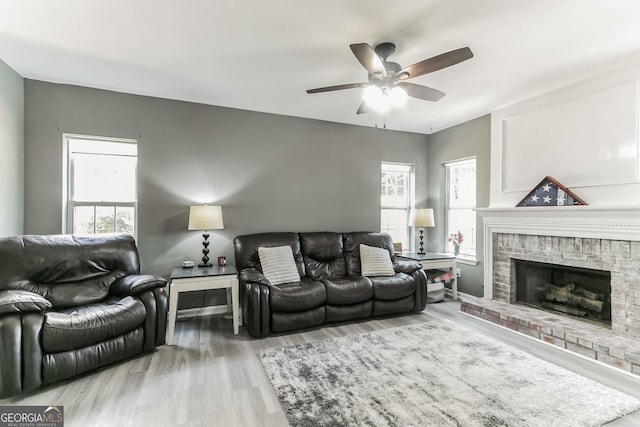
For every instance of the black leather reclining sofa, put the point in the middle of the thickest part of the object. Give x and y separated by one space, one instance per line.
72 304
330 287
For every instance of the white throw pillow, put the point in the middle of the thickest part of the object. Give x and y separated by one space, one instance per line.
278 265
375 261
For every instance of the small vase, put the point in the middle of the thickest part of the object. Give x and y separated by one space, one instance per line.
456 250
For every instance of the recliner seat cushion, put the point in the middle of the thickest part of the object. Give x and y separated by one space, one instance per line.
348 290
297 296
392 288
83 326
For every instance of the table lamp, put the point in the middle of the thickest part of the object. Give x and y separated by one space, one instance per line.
421 218
205 218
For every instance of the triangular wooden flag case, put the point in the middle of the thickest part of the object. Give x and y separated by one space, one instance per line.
550 192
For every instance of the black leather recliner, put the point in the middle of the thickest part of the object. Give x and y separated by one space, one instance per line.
71 304
331 287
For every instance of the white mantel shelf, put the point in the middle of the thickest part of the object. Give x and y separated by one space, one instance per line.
597 222
609 222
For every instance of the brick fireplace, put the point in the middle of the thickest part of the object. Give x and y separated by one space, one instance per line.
620 257
581 237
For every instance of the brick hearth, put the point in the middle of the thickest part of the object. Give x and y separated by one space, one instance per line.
590 340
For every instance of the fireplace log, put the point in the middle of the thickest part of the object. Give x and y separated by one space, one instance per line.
576 297
591 295
586 303
559 294
564 309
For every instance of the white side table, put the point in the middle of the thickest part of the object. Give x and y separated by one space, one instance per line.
202 279
435 261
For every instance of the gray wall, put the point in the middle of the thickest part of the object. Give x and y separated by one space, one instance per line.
472 138
11 151
269 172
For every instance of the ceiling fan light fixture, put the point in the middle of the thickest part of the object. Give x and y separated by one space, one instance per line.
377 99
387 86
398 96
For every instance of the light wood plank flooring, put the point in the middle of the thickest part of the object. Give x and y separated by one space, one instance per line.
212 378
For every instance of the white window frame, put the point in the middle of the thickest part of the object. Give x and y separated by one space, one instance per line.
470 256
406 168
68 204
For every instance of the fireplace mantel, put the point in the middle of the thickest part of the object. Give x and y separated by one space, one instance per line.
615 223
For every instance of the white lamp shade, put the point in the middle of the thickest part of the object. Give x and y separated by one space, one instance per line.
421 218
205 218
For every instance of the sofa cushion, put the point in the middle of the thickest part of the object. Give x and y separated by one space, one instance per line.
391 288
375 262
80 327
352 243
297 296
278 265
246 249
323 254
67 270
348 290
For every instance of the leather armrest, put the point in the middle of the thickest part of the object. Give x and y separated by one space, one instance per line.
252 275
406 266
19 301
136 284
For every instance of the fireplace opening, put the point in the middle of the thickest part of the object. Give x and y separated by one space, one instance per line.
572 291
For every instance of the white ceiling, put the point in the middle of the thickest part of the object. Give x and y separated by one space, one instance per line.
263 55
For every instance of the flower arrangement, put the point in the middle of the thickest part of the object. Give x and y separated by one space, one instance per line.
456 239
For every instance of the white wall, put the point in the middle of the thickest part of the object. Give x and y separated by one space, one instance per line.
584 135
11 152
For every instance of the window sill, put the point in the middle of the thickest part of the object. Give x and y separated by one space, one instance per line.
461 259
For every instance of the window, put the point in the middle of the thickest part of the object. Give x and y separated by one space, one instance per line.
396 198
101 189
461 203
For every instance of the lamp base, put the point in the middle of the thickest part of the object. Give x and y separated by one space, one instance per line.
205 250
421 250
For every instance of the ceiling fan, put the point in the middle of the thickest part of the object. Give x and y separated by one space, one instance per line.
387 84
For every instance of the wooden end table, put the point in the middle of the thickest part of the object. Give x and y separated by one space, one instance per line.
436 261
202 279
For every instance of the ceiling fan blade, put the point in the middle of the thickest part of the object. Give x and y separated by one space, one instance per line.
337 87
421 92
363 108
369 59
435 63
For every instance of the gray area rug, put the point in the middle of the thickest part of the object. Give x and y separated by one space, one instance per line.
432 374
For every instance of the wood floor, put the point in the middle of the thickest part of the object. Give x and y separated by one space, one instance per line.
212 378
